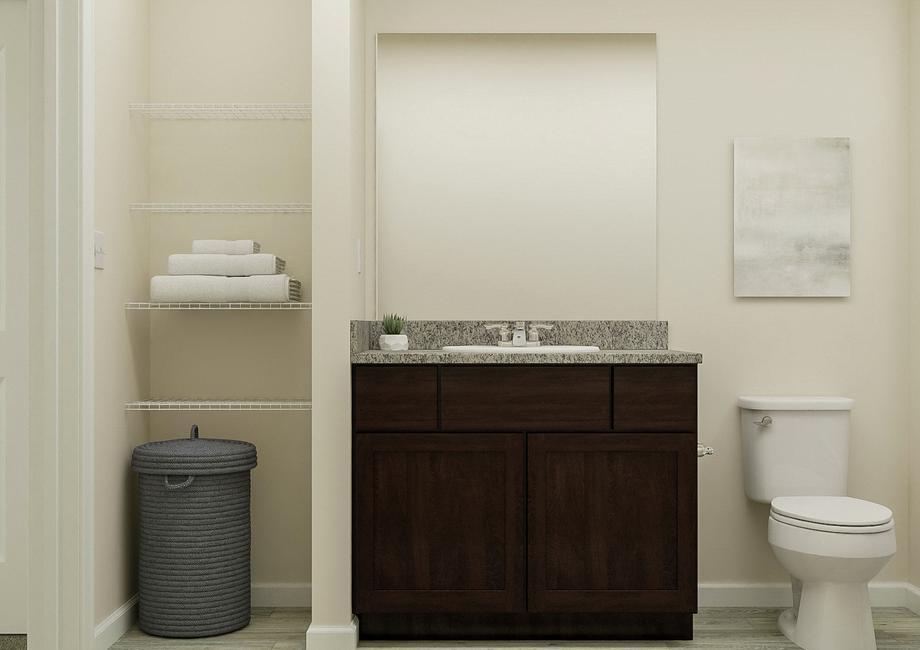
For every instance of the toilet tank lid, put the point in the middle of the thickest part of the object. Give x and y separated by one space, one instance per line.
795 403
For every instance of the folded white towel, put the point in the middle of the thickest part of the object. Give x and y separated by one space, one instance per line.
211 288
230 265
226 246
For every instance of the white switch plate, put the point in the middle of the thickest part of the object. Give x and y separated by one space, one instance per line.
99 249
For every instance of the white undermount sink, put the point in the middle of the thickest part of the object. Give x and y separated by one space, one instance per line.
507 349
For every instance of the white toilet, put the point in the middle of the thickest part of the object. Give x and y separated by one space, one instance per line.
795 452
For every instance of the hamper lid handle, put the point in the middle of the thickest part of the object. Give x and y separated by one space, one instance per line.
193 434
178 486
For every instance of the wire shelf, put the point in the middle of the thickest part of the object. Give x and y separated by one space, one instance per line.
231 111
219 405
223 208
218 306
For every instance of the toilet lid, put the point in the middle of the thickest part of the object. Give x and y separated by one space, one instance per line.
833 511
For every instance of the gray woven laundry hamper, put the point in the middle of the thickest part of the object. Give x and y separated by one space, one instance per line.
194 571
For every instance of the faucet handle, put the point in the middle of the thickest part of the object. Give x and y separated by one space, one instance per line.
504 331
533 331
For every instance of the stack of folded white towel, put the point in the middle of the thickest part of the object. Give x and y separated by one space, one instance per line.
218 270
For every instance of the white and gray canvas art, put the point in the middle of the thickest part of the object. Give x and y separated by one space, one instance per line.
792 217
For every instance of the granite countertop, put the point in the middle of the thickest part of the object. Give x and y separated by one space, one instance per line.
603 357
621 342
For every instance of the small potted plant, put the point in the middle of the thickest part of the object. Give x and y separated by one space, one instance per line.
393 337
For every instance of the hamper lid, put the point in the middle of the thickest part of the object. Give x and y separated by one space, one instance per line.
194 456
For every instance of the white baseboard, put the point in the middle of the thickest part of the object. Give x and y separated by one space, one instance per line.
281 594
115 625
333 637
345 637
745 594
779 594
912 593
888 594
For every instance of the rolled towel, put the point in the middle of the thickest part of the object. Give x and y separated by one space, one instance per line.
226 246
230 265
211 288
295 290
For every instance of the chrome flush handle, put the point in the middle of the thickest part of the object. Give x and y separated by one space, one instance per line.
765 421
703 450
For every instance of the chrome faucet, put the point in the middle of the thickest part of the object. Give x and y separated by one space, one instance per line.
520 335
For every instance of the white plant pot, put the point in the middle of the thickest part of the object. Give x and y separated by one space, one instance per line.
394 342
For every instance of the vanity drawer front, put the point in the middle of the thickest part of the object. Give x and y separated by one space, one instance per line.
395 398
654 398
525 398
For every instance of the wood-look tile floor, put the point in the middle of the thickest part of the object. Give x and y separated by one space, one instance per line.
723 628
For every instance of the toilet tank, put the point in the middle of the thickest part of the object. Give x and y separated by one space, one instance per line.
795 446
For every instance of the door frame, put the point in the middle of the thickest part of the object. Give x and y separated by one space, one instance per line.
61 607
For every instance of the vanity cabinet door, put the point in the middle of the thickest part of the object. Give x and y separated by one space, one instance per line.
611 523
439 523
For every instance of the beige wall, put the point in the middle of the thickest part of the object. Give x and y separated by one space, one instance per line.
122 340
835 68
237 51
725 68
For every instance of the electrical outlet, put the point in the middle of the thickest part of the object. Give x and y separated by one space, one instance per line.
99 249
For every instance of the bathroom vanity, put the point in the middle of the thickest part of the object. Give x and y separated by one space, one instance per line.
552 496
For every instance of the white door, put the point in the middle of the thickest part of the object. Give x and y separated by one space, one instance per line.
14 314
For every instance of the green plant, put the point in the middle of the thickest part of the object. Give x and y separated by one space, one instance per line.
393 324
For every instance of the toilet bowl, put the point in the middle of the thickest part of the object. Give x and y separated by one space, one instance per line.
832 547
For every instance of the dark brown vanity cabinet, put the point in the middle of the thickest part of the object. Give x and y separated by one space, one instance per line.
524 501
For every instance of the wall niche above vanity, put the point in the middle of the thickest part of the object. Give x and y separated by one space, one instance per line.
514 170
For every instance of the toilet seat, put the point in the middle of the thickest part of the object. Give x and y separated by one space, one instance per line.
832 514
828 528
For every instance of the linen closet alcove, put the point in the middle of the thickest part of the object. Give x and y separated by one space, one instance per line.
203 123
